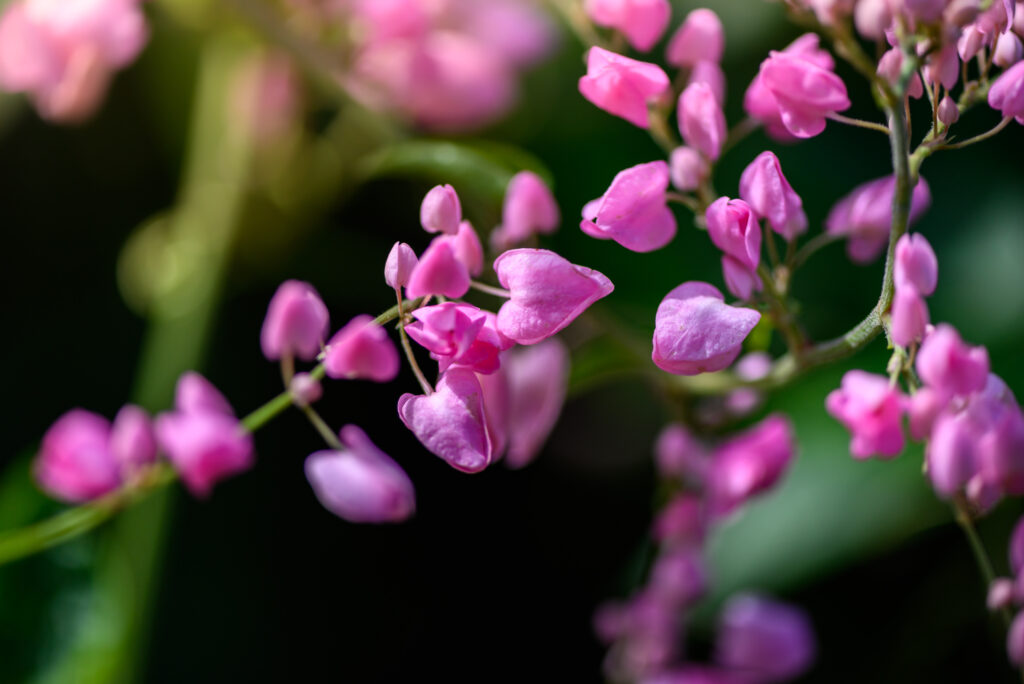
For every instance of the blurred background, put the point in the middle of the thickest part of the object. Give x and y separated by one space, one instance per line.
149 240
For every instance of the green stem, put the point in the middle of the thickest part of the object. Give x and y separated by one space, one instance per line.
322 427
859 123
490 289
988 573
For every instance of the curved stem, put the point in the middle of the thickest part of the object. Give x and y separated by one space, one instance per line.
860 123
978 138
322 427
490 289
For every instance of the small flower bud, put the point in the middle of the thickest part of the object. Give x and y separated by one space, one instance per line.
132 441
1000 594
633 210
948 112
399 266
733 228
700 37
296 322
947 364
642 22
305 389
439 271
764 187
687 168
362 349
1008 50
622 86
701 120
75 463
529 208
441 211
872 18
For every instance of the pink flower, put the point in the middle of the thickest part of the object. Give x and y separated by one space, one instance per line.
538 380
872 18
681 523
949 366
749 464
688 169
697 332
701 120
768 640
529 208
1015 640
1007 93
951 456
679 454
764 188
441 211
891 65
678 577
439 271
949 112
64 52
872 411
296 322
467 248
459 334
132 440
794 90
305 389
699 38
451 422
361 483
622 86
633 211
732 227
711 75
75 463
916 266
547 293
865 216
909 317
202 437
641 21
740 280
399 266
362 349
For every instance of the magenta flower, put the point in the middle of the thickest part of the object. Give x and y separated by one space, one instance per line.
688 169
767 640
75 463
1007 93
633 211
697 332
296 322
764 188
682 522
865 216
439 271
538 380
459 334
399 266
949 366
132 440
952 457
622 86
909 317
701 120
916 266
361 483
891 65
1015 640
733 228
441 211
711 75
740 280
1008 52
699 38
749 464
678 577
642 22
529 208
202 438
679 454
362 350
547 293
872 411
305 389
467 248
451 422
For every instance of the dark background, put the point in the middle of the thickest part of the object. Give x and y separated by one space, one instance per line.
497 576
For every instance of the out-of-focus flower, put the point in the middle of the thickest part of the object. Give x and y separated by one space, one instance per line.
750 463
701 120
441 211
699 38
529 208
75 462
872 411
538 379
865 216
642 22
296 322
766 640
1007 93
622 86
362 349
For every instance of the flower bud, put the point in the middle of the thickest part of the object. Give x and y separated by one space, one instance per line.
891 65
946 364
765 188
633 210
362 350
678 578
547 293
924 406
740 280
75 463
949 112
710 74
951 456
132 440
399 266
872 18
916 266
467 248
687 168
697 332
701 120
642 22
679 454
1000 594
772 641
909 317
680 523
441 210
196 394
305 389
733 228
699 38
622 86
1008 50
802 92
296 322
872 411
439 271
529 208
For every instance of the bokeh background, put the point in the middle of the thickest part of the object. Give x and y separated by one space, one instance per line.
497 576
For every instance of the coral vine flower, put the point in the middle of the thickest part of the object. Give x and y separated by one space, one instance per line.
75 462
701 120
529 208
361 483
699 38
697 332
750 463
1007 93
865 216
948 365
733 228
296 322
459 334
547 293
764 188
538 380
439 271
633 211
441 211
622 86
362 349
399 266
872 411
641 21
767 640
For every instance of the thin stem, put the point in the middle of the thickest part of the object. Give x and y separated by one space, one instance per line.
393 313
577 21
490 289
407 348
738 132
685 200
773 249
860 123
660 131
780 313
322 427
809 248
978 138
988 573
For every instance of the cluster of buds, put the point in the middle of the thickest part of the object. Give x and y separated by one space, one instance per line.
758 639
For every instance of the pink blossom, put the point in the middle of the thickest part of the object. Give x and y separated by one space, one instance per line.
678 577
949 112
872 411
622 86
633 210
1015 640
296 322
360 483
459 334
701 120
196 394
942 67
733 228
513 29
923 407
872 18
769 640
547 293
75 463
697 332
951 456
538 380
682 522
439 271
1007 92
467 248
740 280
865 216
711 75
749 463
362 349
699 38
451 422
441 211
305 389
765 188
890 66
642 21
948 365
132 440
399 266
529 208
679 454
687 168
909 316
916 266
496 410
